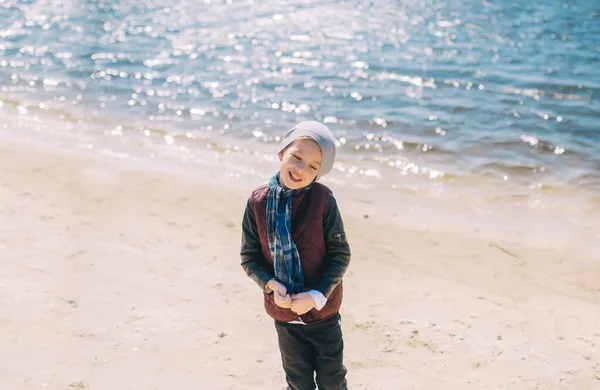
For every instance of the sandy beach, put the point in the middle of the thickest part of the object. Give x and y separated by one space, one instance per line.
128 278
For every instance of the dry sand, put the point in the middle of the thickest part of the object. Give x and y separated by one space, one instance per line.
127 278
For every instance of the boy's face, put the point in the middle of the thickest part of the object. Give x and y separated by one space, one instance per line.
300 163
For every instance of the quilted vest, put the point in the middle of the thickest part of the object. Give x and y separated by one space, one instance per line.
308 209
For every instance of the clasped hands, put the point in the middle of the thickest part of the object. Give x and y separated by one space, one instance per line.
298 303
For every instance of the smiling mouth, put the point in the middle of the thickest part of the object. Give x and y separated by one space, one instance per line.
294 177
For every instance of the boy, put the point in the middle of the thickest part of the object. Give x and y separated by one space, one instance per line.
294 247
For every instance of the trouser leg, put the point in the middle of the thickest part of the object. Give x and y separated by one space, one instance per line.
297 356
329 353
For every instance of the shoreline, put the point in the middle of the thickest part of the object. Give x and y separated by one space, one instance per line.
122 276
406 169
559 218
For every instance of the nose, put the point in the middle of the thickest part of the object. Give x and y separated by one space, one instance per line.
300 166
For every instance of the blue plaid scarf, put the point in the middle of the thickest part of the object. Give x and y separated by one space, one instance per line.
286 259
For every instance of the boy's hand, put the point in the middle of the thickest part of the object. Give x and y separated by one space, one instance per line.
302 303
280 295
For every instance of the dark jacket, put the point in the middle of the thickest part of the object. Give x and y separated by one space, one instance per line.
317 231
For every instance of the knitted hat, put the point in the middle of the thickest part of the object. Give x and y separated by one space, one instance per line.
321 135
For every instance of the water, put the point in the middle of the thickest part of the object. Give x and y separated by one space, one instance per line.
423 94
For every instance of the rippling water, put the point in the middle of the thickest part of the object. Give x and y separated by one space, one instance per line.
440 90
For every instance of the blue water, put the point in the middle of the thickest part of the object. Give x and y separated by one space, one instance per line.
507 90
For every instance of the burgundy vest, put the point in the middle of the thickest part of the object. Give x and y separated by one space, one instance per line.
308 208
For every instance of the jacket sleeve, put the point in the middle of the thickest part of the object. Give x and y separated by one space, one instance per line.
337 257
253 260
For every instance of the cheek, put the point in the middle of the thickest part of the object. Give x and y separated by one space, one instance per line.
287 164
290 162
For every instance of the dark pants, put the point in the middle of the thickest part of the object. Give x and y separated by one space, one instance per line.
309 349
